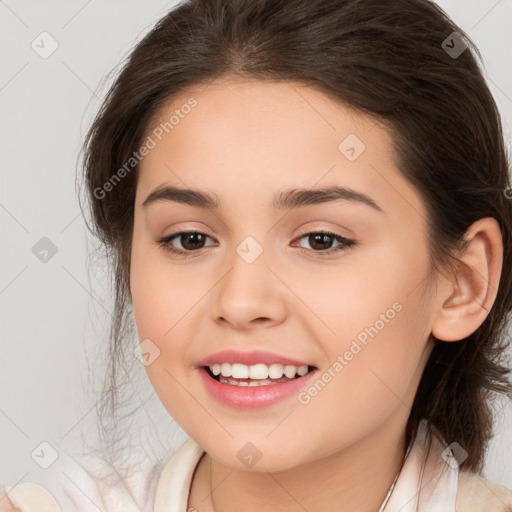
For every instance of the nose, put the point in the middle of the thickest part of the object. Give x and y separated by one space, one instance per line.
249 295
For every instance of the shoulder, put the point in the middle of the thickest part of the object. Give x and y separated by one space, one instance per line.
476 493
27 497
176 478
82 484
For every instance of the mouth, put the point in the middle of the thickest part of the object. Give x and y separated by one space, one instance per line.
256 375
265 379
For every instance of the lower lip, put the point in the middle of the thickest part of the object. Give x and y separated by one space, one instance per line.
251 397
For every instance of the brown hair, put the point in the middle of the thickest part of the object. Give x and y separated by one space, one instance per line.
386 59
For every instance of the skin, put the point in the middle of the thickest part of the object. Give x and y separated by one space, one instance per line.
6 505
245 141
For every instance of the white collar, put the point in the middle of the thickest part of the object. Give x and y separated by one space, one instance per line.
426 481
174 483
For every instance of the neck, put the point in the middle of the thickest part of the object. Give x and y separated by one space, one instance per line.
355 478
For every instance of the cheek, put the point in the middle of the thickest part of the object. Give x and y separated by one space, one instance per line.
379 320
162 297
374 366
162 292
366 295
168 298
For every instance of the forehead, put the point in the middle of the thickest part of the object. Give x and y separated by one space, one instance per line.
254 110
245 139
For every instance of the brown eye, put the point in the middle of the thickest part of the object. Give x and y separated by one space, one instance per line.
321 242
190 242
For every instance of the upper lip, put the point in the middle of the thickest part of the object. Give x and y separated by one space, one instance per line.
248 358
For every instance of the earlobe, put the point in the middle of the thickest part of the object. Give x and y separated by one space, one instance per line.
464 301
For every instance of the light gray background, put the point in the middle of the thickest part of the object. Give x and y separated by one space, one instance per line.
54 313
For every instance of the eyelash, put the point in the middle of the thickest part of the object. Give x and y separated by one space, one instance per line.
345 243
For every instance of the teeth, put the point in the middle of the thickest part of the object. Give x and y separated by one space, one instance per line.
239 371
257 371
253 383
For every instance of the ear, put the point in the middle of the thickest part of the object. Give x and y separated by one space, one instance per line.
464 301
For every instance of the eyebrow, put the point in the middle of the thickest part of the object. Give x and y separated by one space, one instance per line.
293 198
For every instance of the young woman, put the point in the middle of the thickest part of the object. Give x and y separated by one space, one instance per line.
306 207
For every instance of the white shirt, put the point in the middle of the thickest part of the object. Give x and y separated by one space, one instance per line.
427 482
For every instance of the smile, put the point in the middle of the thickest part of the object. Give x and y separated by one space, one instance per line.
263 386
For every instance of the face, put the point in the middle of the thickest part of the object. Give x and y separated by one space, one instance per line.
259 276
